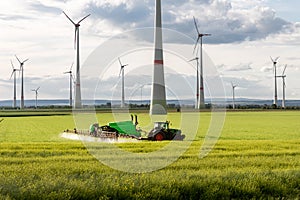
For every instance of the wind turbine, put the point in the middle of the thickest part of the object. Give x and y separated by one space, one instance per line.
158 106
233 95
22 80
283 76
14 70
36 95
123 82
200 39
77 102
71 85
197 83
274 61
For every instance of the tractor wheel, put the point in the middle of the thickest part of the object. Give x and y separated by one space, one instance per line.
159 137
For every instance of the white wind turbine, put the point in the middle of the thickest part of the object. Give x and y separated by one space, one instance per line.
71 84
22 80
233 95
14 70
197 83
122 72
200 42
274 61
77 103
283 76
36 95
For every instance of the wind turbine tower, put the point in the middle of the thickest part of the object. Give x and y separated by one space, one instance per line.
158 104
197 83
122 72
77 103
200 41
36 95
283 76
22 80
71 85
14 70
275 72
233 95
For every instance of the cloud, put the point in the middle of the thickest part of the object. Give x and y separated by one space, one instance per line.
237 68
228 21
40 7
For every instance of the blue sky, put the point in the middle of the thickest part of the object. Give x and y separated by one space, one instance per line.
244 36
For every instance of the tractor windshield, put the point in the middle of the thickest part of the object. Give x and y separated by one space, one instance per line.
159 125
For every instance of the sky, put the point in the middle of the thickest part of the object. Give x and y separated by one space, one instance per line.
244 36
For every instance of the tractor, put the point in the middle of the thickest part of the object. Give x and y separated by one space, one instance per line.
128 129
162 131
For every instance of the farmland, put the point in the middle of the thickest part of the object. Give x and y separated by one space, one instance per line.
257 156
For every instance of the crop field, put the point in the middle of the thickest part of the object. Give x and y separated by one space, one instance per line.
256 157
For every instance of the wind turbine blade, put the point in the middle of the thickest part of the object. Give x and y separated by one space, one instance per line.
18 59
196 45
120 71
284 70
75 38
12 65
11 74
193 59
38 88
26 60
196 25
69 18
120 62
84 18
277 59
71 67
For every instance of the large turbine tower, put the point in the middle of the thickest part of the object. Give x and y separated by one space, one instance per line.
158 104
201 103
77 103
14 70
22 80
275 72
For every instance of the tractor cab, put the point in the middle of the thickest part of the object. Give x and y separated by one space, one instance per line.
162 131
161 125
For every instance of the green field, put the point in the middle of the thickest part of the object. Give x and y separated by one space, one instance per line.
257 156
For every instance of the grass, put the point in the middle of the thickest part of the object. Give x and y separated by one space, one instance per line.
257 156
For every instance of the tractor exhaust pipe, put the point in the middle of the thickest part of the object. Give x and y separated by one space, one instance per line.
136 120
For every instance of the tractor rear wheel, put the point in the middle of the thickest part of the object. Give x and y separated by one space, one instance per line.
159 136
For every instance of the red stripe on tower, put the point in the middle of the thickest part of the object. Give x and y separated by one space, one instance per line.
161 62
